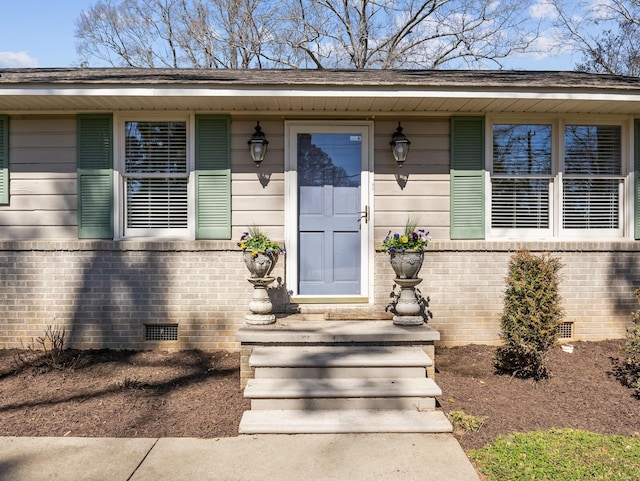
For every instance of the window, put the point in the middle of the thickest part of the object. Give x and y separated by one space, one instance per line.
548 185
155 176
522 175
592 182
164 187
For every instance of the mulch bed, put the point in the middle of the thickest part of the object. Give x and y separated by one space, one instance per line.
197 394
581 392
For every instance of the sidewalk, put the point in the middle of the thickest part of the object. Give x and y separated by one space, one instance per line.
300 457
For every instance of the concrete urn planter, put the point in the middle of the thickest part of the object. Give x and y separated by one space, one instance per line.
260 265
406 263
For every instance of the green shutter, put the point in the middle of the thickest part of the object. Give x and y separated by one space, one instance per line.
636 177
4 159
95 176
467 177
213 177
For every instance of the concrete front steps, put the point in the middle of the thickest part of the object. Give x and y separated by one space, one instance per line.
341 389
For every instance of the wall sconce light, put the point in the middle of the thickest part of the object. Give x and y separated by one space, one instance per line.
258 145
399 146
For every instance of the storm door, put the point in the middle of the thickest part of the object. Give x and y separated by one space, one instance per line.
331 213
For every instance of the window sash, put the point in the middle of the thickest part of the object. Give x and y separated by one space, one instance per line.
520 203
156 203
593 150
155 178
521 178
155 147
591 203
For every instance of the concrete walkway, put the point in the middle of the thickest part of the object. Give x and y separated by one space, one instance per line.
264 457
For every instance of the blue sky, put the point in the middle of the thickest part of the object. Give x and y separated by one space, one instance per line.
40 33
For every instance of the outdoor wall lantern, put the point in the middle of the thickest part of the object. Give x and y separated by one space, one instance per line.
399 146
258 145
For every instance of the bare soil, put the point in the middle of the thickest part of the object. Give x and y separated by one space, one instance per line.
197 394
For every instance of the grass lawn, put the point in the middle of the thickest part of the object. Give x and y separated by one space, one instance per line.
560 454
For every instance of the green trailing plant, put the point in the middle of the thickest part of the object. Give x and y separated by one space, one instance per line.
627 370
256 242
531 315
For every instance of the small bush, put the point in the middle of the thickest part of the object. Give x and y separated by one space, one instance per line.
466 422
627 370
531 315
48 353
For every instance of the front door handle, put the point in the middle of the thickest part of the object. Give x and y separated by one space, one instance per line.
364 214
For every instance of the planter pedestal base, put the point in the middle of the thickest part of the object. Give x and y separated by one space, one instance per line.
408 307
260 304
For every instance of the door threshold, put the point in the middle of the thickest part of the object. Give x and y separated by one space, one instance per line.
329 300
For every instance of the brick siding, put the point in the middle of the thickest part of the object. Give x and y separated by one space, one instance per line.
104 292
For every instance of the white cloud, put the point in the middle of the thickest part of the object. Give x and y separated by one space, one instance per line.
543 10
17 60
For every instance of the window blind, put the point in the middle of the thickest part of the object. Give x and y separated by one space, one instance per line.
591 203
157 203
592 177
156 178
520 203
521 176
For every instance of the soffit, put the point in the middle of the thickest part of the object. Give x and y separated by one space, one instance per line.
295 92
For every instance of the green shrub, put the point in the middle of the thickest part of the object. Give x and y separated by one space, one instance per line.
531 315
627 370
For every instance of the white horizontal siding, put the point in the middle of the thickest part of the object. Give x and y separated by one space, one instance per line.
43 187
418 191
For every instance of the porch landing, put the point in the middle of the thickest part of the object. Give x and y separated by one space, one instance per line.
316 376
312 329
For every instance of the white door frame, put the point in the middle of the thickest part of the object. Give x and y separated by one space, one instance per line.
292 128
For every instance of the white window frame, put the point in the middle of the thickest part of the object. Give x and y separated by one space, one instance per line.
556 231
120 201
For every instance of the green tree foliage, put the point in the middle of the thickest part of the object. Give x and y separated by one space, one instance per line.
627 370
531 315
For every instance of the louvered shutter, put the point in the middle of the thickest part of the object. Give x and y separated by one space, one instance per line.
4 159
636 189
95 176
213 177
467 178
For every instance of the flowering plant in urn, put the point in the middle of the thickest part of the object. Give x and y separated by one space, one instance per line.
406 250
260 253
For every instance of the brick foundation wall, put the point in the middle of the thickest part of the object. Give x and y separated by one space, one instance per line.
104 292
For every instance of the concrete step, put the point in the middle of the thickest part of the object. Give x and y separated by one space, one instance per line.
343 388
338 356
338 372
402 403
343 421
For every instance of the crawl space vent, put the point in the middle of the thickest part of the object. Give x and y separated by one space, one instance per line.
161 332
565 330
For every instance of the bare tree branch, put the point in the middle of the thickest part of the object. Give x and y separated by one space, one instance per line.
301 33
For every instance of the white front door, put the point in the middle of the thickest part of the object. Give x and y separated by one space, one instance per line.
328 225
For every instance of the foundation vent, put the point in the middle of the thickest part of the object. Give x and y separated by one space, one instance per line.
565 330
161 332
